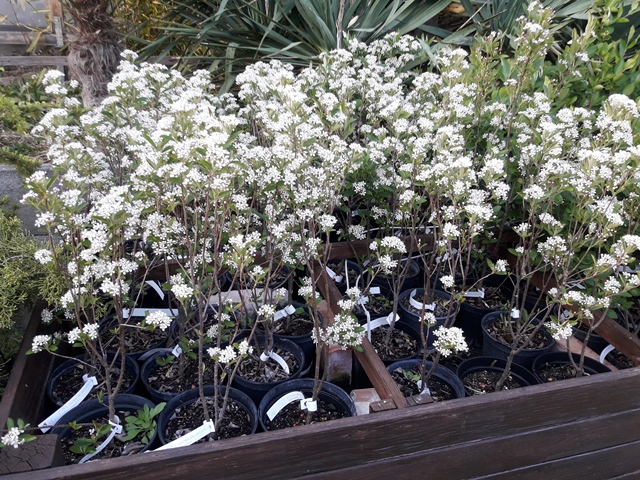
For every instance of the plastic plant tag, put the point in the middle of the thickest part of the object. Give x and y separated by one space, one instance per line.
116 429
355 213
363 300
374 291
423 390
89 383
190 438
309 405
285 312
143 312
346 274
377 323
476 294
606 351
156 287
419 305
177 351
274 356
515 313
565 315
282 402
333 275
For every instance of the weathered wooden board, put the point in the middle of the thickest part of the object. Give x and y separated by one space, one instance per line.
516 429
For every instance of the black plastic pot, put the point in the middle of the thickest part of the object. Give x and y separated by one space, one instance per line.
185 399
441 373
330 393
411 280
342 284
257 390
412 320
71 364
590 366
305 342
112 321
493 347
493 364
91 410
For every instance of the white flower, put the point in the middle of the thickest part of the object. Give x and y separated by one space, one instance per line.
74 335
447 281
158 319
43 256
212 331
91 330
244 348
500 266
46 315
450 340
344 332
12 437
266 311
40 342
394 244
559 331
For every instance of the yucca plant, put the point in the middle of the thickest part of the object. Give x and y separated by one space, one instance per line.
227 35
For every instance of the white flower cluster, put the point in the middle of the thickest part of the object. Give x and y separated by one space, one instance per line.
12 437
40 342
231 353
158 319
559 330
344 332
179 288
450 341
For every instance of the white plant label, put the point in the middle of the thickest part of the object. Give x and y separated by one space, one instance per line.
116 429
565 315
285 312
374 291
156 287
363 300
274 356
423 390
515 313
190 438
309 405
476 294
282 402
355 213
419 305
346 274
177 351
607 350
89 383
379 322
333 276
143 312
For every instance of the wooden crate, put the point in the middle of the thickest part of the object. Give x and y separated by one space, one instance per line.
583 428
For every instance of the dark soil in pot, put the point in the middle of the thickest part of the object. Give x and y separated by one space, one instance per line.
185 413
137 339
88 412
352 270
619 360
556 366
164 380
66 380
377 306
403 344
481 382
441 303
443 384
333 403
480 375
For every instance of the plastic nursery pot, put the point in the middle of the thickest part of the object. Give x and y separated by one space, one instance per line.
492 364
256 390
595 342
412 319
329 393
441 373
151 339
304 341
183 401
411 280
494 347
407 329
91 410
470 314
590 366
150 367
73 364
338 269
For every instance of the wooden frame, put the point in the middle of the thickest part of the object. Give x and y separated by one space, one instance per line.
556 430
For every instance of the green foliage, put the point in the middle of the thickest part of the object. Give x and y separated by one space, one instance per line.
87 445
143 424
228 35
22 278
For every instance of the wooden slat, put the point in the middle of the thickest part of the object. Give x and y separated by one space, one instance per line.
33 60
618 462
510 455
359 441
24 395
26 38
